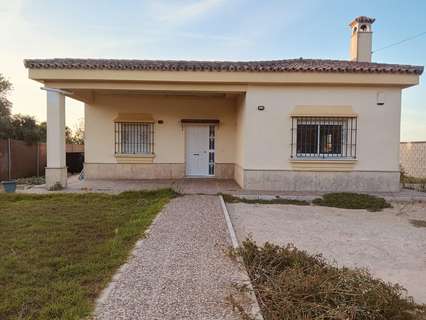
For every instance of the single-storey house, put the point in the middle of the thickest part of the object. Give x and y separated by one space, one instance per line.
288 125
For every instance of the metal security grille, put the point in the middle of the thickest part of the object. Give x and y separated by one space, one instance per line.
134 138
211 149
323 137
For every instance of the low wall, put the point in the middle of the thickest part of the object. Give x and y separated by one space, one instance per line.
413 158
148 170
349 181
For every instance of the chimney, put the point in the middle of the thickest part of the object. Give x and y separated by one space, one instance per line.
361 40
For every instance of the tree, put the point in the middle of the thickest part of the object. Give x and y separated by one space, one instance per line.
78 137
25 128
74 138
68 135
5 107
42 128
5 104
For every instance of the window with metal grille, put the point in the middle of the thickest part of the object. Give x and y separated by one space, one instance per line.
211 149
134 138
323 137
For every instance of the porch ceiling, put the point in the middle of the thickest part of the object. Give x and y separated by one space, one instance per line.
85 91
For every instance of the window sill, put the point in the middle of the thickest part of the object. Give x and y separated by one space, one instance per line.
323 164
134 158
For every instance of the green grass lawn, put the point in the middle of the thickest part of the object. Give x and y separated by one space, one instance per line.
59 251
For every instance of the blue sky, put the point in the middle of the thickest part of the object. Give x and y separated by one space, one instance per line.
205 29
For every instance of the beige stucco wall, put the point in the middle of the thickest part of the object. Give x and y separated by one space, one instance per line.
252 146
169 142
257 142
268 131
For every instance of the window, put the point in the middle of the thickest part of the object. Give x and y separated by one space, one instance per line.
134 138
323 137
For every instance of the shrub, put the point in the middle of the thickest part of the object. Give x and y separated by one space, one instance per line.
31 180
231 199
418 223
414 180
291 284
349 200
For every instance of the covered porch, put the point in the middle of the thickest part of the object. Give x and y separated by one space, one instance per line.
147 131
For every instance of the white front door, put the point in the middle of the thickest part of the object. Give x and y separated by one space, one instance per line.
197 150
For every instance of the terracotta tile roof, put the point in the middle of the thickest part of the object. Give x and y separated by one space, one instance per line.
291 65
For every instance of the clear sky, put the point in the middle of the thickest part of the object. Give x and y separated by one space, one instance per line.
204 29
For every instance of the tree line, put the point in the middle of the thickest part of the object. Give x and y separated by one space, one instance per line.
25 127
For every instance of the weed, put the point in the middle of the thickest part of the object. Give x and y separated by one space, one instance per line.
418 223
56 187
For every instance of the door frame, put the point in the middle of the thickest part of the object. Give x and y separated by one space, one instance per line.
213 164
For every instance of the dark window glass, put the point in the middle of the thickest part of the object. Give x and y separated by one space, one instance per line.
331 139
324 137
307 138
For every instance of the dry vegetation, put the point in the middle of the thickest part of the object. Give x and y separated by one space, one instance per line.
291 284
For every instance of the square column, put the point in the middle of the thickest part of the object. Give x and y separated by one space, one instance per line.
56 170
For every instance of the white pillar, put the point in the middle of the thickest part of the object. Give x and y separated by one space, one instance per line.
56 171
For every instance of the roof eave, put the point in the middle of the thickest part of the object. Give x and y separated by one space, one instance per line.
72 78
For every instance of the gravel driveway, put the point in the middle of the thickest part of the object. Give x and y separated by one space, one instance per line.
384 242
180 271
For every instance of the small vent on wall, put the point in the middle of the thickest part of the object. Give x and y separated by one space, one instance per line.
380 98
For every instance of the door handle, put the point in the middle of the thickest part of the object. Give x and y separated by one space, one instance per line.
195 154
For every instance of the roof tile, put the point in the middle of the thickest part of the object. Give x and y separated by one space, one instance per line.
289 65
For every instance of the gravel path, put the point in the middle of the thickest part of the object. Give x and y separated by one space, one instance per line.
385 242
180 271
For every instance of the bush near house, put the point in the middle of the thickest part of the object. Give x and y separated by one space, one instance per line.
410 182
31 180
414 180
350 200
232 199
59 251
414 183
290 284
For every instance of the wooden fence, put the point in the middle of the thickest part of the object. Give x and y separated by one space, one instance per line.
19 159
